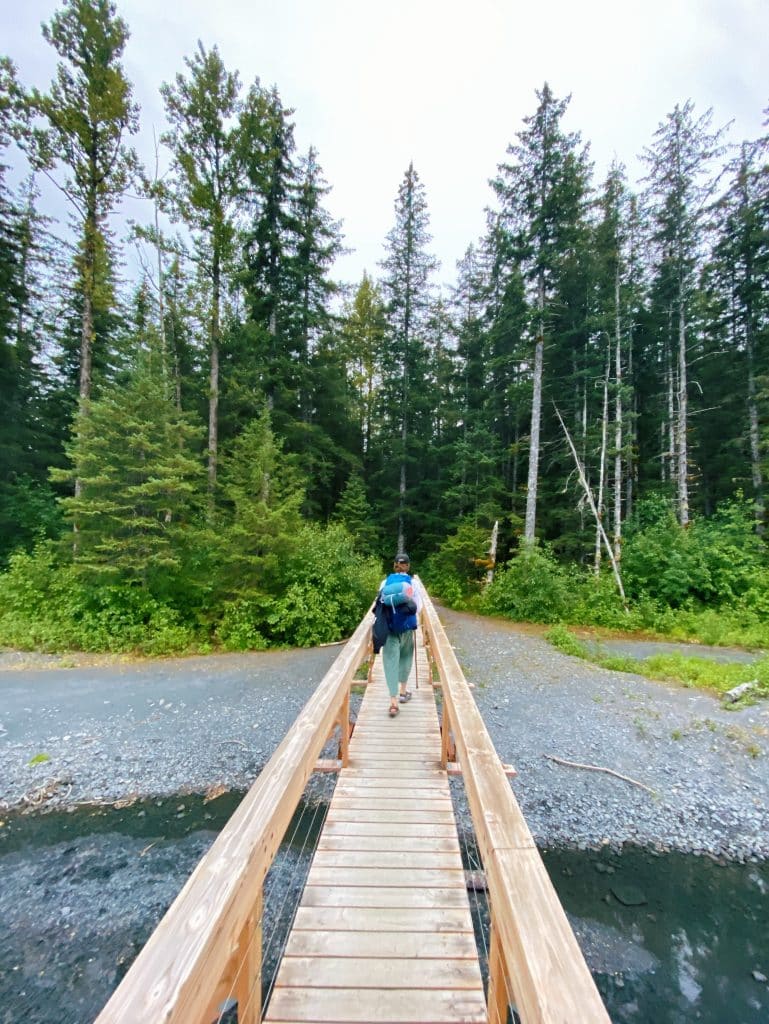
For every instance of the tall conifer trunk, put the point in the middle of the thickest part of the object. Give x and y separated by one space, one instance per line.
755 444
682 421
405 406
530 522
213 397
602 463
617 539
87 326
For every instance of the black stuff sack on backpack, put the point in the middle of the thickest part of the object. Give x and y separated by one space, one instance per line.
381 628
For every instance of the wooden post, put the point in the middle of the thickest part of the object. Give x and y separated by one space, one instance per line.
445 742
371 657
248 987
344 730
497 999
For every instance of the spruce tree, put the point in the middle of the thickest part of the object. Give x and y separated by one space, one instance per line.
363 340
316 246
141 481
508 394
613 322
680 186
268 245
407 267
542 194
203 190
353 511
29 440
260 517
88 112
741 275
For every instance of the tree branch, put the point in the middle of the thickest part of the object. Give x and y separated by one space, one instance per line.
598 768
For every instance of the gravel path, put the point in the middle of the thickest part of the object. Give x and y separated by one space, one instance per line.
118 729
111 730
648 648
708 767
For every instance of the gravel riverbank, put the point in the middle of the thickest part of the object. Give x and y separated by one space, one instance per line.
121 729
707 767
113 730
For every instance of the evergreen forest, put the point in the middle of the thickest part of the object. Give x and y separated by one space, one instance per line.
225 449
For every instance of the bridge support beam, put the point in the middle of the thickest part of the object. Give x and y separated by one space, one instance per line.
497 999
248 987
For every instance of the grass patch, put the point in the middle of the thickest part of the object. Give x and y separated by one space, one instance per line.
700 673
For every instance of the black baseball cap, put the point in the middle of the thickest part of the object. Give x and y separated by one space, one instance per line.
402 557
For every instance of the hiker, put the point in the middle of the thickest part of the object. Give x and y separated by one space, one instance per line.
402 595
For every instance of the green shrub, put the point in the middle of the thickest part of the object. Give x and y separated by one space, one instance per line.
238 629
39 602
531 587
46 606
596 600
455 572
326 590
564 640
322 592
713 561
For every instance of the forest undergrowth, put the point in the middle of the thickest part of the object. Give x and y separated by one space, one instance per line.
708 583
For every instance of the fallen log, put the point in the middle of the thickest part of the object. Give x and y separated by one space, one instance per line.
739 691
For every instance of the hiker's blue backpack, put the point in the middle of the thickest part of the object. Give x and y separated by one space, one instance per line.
397 594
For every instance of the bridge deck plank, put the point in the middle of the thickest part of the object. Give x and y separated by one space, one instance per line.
378 1006
383 932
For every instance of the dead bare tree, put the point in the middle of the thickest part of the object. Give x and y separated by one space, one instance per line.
591 502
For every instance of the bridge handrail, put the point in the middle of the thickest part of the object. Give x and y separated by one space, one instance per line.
535 962
207 945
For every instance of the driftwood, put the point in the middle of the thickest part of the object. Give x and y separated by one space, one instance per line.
739 691
597 768
35 798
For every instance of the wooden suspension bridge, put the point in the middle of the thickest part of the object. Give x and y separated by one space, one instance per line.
383 932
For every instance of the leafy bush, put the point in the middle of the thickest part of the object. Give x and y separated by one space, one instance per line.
713 561
327 588
455 572
323 591
530 587
564 640
28 513
596 600
238 629
46 606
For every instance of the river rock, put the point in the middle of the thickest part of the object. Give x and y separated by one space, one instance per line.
628 895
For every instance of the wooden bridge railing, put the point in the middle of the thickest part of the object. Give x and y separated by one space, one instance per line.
207 948
535 963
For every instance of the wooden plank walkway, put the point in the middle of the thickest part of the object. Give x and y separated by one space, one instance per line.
383 932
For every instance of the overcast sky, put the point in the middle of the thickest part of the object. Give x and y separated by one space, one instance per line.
376 84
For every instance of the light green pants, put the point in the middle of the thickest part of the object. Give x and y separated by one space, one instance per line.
397 656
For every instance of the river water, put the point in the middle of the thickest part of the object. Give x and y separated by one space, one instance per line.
669 938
